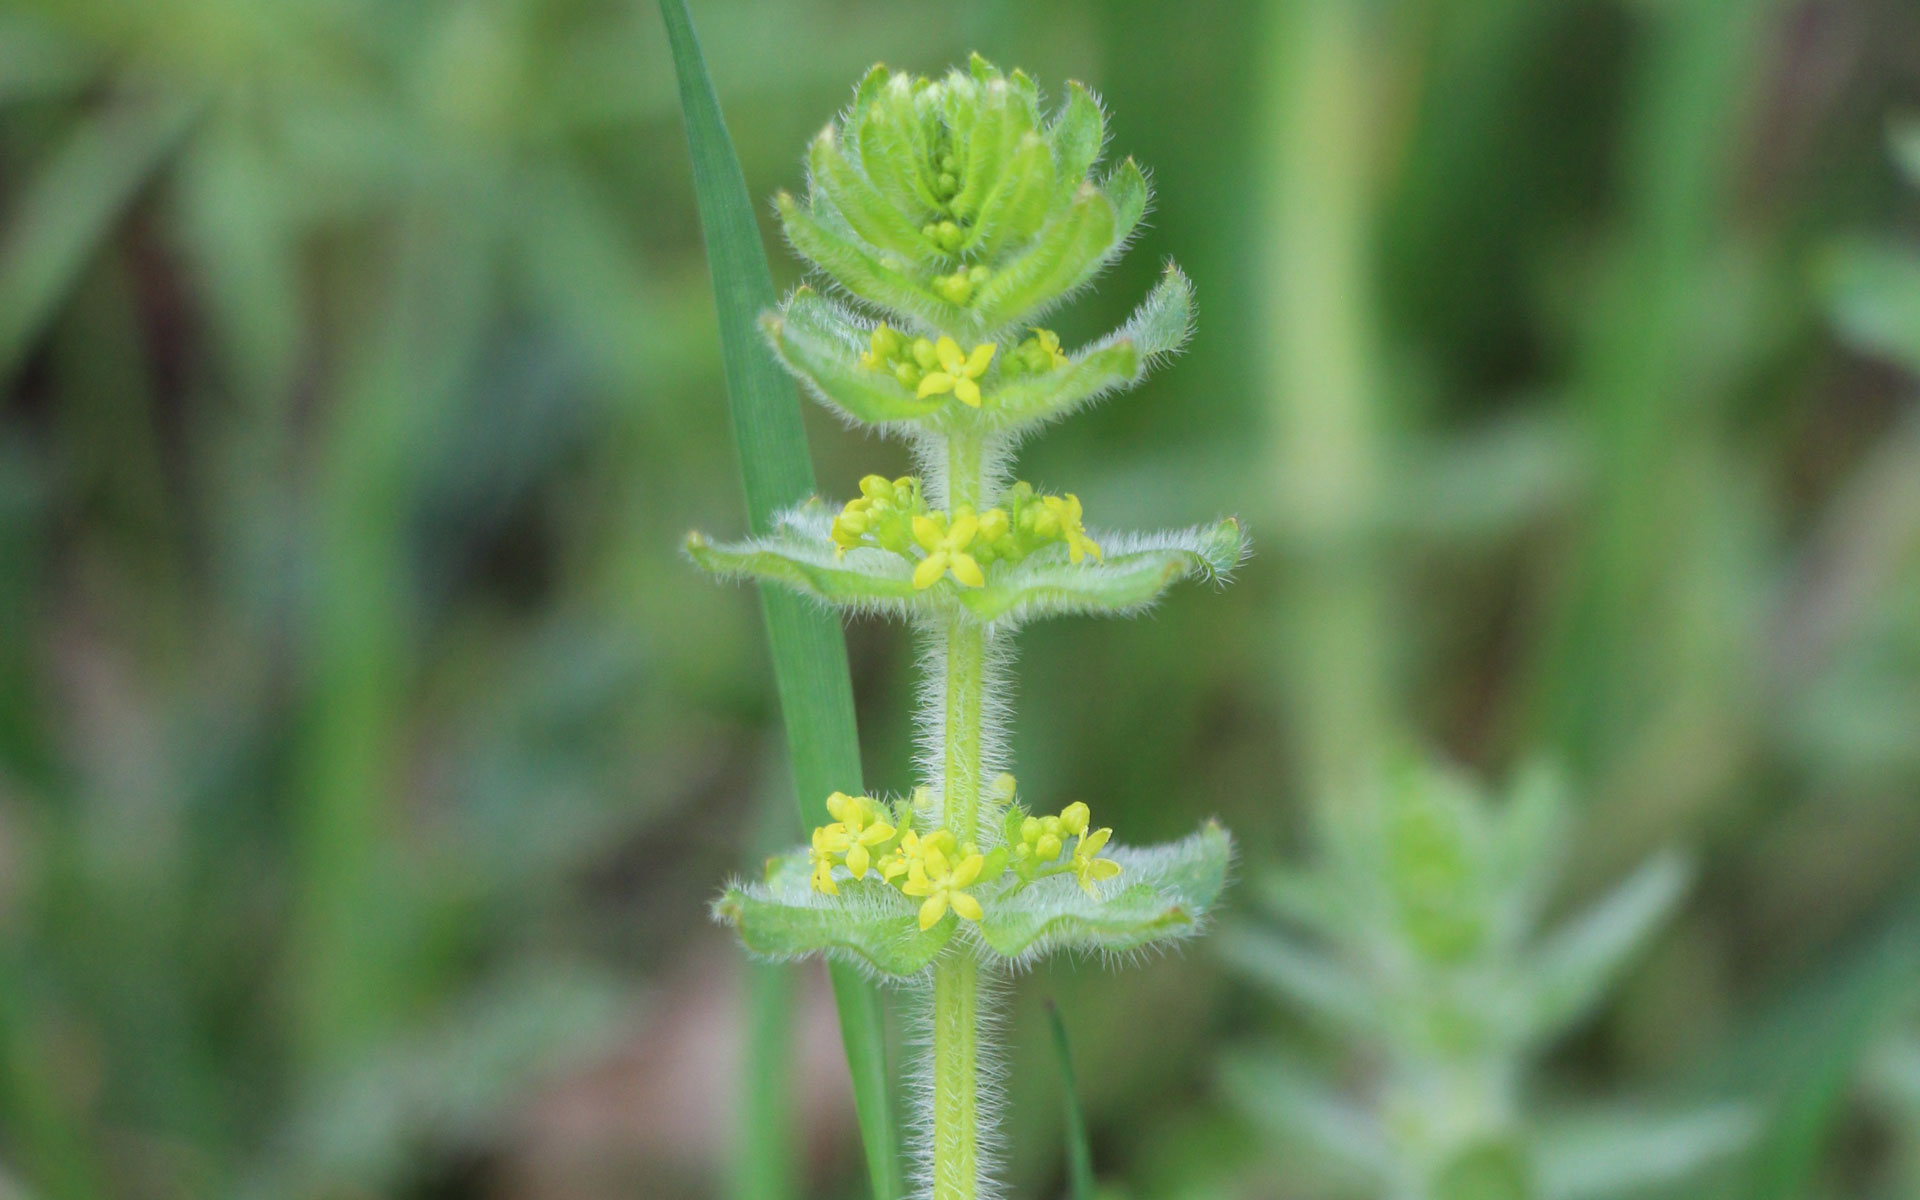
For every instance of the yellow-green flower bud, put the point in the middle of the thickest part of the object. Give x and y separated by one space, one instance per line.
956 288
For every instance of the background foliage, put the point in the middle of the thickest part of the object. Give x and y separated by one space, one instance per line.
368 755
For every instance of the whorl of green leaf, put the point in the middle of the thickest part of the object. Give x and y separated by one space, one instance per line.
1163 894
920 178
1136 570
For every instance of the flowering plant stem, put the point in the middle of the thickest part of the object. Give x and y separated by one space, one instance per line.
961 212
956 974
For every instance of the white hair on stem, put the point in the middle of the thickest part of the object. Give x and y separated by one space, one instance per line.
989 1082
930 713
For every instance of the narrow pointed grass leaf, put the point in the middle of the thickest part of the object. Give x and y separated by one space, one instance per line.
1079 1151
1808 1051
808 649
69 209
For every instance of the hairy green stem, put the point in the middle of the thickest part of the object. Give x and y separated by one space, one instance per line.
956 1115
956 975
965 671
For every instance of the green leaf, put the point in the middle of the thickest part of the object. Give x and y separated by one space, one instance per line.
1136 570
1017 206
1164 321
1306 977
888 141
1159 327
1126 189
1903 135
1068 252
1575 966
1624 1154
854 268
1079 1153
1077 136
800 556
1873 291
820 342
809 651
69 209
1287 1099
860 203
1162 894
869 923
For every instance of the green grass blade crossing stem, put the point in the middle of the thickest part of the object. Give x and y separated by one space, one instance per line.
809 651
1079 1151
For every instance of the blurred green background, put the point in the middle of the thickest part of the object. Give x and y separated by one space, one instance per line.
368 754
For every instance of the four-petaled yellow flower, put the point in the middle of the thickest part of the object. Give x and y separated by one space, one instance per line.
932 875
829 842
862 825
946 546
1063 520
1088 868
958 371
894 865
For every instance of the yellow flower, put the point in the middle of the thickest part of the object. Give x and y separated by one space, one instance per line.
1049 345
1088 868
883 347
863 824
946 546
933 876
1074 818
894 865
957 371
1039 839
1065 525
851 525
829 841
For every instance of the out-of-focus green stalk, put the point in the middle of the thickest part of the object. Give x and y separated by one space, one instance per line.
765 1160
352 961
1315 313
1650 428
49 1139
809 652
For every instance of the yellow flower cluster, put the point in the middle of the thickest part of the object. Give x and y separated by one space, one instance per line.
1036 844
892 514
882 516
865 837
1035 356
929 368
935 368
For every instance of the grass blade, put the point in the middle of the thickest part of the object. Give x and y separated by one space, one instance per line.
809 651
68 210
1079 1153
